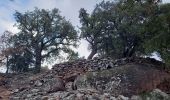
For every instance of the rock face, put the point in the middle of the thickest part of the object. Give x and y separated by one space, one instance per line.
97 79
28 86
4 93
127 80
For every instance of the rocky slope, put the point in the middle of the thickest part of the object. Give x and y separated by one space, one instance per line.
97 79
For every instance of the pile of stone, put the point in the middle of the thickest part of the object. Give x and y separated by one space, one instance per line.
96 64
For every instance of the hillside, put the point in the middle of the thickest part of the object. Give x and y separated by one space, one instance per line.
97 79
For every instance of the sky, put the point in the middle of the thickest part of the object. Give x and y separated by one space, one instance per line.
69 9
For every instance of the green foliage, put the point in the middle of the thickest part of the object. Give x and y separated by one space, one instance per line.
20 62
73 56
45 33
114 28
158 33
97 28
5 48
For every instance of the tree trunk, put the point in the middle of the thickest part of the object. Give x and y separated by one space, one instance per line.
7 65
125 52
132 51
93 52
38 61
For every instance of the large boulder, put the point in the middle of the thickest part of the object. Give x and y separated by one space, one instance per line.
129 79
54 85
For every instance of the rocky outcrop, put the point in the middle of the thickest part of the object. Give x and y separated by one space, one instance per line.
97 79
127 80
27 86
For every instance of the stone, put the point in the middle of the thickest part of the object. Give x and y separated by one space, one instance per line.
15 90
61 94
157 91
112 98
35 90
106 94
91 97
135 97
156 94
79 96
54 85
69 86
38 83
121 97
70 97
45 98
29 95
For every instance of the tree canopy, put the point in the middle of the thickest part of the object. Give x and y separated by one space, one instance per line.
114 28
43 34
158 33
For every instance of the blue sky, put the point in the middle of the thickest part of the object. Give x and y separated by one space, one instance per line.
68 8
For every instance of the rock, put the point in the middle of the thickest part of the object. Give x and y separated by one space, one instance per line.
106 94
121 97
135 97
54 85
70 97
69 86
91 97
4 93
29 95
96 79
157 91
79 96
15 90
61 94
156 94
38 83
35 90
128 80
112 98
45 98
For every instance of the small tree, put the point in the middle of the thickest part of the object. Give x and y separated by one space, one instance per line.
5 48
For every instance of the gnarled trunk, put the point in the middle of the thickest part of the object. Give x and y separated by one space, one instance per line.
93 52
7 65
38 59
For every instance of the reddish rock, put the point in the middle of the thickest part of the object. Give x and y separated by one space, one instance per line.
128 79
4 92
